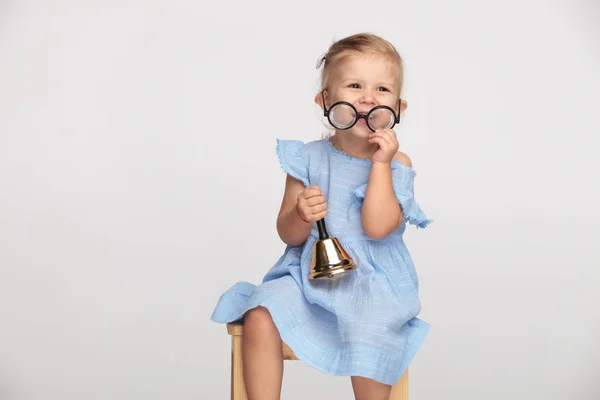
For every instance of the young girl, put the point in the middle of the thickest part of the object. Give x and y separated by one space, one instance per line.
361 323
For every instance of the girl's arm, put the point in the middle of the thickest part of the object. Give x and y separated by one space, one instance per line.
290 227
381 213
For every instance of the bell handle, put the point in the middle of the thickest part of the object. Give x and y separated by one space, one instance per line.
322 229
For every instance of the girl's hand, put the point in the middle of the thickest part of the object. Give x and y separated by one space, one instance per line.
311 204
388 145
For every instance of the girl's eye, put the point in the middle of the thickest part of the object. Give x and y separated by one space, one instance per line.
357 86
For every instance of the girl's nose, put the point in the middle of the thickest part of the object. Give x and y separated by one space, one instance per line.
367 98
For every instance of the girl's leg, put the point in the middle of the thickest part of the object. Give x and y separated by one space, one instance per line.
262 356
370 389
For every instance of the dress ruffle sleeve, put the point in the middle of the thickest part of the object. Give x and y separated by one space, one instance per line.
294 159
403 183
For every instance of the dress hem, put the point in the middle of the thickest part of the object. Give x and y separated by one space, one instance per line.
290 335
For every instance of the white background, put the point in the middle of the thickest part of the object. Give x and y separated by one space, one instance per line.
138 181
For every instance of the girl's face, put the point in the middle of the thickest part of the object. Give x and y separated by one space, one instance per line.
365 81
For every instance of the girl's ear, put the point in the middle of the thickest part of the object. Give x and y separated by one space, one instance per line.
403 105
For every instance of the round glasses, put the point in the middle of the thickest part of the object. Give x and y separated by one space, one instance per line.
342 115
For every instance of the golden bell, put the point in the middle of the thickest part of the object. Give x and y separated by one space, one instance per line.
329 257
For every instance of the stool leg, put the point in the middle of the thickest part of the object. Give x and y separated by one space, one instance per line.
400 389
238 387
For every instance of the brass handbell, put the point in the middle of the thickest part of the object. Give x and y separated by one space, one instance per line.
329 258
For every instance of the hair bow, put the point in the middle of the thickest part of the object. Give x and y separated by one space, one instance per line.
323 56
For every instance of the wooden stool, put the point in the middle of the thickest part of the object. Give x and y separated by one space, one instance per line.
238 388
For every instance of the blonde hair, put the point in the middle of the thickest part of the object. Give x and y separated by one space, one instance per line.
365 43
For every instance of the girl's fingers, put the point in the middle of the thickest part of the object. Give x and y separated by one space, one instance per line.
379 140
311 191
319 216
319 208
386 134
313 201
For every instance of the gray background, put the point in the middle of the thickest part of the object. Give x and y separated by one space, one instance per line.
138 181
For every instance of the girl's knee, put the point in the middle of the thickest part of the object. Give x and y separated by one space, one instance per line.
369 389
259 321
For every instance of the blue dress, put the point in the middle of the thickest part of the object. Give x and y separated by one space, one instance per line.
359 323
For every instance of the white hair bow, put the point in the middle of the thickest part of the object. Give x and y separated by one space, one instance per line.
322 57
320 60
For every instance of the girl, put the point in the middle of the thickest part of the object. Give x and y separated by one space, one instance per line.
361 323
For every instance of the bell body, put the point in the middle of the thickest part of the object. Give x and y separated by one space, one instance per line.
329 259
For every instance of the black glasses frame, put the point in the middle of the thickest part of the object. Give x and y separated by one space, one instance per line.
358 115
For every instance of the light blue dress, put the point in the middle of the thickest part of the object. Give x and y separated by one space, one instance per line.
359 323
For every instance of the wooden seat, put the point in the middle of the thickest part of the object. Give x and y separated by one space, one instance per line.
238 388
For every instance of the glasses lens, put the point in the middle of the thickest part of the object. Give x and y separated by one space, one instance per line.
381 118
342 116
